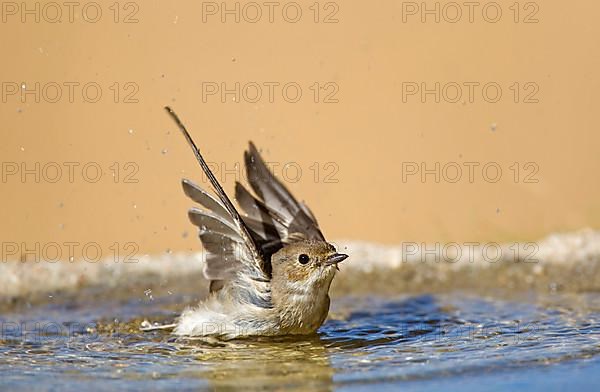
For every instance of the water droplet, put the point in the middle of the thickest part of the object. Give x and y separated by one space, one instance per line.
493 127
22 148
164 151
148 293
130 131
71 259
23 86
233 60
134 205
169 251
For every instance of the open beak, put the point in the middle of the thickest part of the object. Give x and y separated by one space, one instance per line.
335 258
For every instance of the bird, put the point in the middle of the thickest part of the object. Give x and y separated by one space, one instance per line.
270 269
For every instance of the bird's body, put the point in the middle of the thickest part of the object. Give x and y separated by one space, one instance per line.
270 270
293 309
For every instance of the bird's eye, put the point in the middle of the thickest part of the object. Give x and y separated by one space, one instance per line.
303 258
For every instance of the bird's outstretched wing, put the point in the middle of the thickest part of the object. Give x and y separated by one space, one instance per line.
273 216
232 250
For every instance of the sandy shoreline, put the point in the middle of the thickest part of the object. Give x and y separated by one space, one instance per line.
565 261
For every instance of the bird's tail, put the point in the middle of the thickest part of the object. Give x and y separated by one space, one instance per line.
146 326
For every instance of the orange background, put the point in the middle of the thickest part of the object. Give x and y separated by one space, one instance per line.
169 54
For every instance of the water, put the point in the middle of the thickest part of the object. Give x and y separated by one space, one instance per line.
413 342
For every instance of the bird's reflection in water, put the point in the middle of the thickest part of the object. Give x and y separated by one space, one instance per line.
308 362
261 363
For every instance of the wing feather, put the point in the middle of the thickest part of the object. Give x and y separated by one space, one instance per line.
274 206
208 221
234 253
205 199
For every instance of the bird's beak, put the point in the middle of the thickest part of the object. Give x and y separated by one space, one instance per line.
335 258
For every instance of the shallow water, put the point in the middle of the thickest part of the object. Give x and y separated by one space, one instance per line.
454 340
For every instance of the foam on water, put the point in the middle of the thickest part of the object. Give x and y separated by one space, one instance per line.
567 261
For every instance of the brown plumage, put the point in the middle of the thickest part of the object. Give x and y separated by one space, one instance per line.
270 269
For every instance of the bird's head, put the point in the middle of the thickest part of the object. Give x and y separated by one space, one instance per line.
305 267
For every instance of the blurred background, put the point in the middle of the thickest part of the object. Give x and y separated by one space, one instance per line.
394 121
451 148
